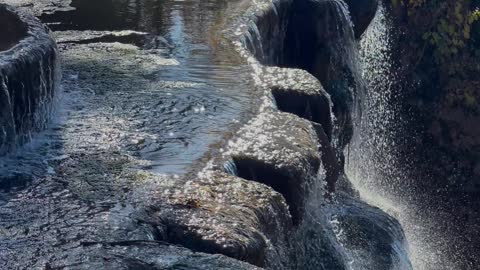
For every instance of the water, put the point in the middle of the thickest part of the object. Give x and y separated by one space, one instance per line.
29 77
148 87
378 168
150 79
345 233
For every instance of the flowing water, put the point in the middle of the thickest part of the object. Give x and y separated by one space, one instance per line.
150 85
345 233
364 237
378 169
148 79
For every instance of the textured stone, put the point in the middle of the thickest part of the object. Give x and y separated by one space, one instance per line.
281 151
297 91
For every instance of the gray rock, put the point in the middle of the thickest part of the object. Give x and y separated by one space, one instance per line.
279 150
297 91
222 214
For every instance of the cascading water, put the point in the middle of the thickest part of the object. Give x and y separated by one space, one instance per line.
345 233
375 165
29 82
371 147
27 89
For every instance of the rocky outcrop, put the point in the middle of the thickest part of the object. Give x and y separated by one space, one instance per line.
28 77
219 213
297 91
258 200
280 151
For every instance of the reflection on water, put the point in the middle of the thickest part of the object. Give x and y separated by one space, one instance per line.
163 98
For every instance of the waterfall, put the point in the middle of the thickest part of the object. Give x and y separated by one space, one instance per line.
374 156
28 88
373 145
29 75
345 233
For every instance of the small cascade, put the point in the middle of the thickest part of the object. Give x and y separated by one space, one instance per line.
376 161
231 168
321 40
345 233
29 76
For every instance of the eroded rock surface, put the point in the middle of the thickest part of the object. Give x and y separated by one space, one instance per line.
297 91
220 213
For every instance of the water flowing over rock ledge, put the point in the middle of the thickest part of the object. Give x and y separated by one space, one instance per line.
258 202
281 163
29 76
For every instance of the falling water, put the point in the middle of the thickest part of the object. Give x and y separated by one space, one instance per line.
28 88
374 165
345 233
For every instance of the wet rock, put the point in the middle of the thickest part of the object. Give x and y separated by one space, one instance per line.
141 255
321 40
279 150
39 7
224 214
29 77
372 238
362 13
298 92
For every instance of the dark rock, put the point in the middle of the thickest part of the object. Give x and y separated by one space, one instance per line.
223 214
362 13
372 238
12 30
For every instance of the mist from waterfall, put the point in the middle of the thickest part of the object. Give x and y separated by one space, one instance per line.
374 163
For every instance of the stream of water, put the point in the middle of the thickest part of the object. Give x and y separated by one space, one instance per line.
147 79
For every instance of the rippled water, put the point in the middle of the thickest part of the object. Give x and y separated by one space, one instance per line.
148 79
148 87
